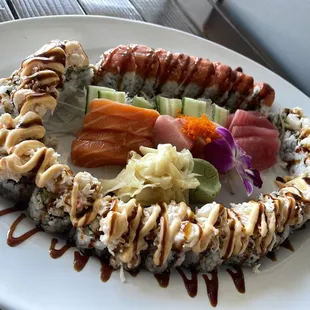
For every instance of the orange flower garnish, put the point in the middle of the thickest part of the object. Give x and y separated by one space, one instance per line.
199 127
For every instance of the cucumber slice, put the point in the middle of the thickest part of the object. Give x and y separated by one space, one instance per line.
219 115
167 106
194 107
142 103
93 93
118 96
209 181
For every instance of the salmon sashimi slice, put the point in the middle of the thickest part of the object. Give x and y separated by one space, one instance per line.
112 108
91 154
107 114
97 121
122 138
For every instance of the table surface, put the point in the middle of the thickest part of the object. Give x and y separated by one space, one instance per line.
163 12
169 13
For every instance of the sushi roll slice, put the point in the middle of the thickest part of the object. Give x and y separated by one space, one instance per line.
220 84
116 69
49 211
90 236
13 132
186 77
33 160
170 79
27 100
147 68
241 89
62 208
20 191
7 86
203 72
65 58
161 254
295 144
119 224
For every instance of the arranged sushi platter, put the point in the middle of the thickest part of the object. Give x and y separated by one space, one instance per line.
181 127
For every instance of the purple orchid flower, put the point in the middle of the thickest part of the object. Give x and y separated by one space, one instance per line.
224 154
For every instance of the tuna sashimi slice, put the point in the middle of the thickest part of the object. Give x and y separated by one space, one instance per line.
253 131
229 120
263 151
168 130
244 118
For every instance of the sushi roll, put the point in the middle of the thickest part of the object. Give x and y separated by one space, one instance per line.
139 70
164 236
49 211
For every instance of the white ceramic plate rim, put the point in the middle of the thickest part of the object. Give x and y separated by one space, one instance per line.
31 280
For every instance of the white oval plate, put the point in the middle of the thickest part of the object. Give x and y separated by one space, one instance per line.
30 279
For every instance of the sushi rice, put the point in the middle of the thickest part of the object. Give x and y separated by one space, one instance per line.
48 211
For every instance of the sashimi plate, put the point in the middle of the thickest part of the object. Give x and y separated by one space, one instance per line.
30 279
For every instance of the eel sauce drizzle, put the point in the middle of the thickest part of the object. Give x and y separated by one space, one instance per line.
14 241
81 259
